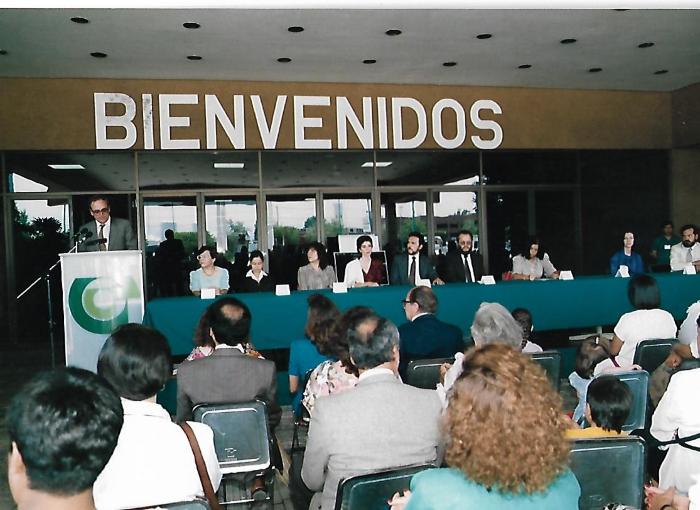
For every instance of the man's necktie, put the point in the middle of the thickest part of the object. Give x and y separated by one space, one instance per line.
101 238
467 273
412 271
689 258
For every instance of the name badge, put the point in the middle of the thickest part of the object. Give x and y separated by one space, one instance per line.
667 246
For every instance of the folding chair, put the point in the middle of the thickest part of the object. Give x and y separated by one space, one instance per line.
651 353
373 490
551 362
609 470
242 441
425 373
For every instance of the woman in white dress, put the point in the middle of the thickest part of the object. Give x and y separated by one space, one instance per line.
365 271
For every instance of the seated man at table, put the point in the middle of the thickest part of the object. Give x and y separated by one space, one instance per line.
464 265
425 336
410 267
380 424
686 252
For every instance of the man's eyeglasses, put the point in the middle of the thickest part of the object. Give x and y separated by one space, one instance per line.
104 210
405 302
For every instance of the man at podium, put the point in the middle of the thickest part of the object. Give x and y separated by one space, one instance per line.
105 233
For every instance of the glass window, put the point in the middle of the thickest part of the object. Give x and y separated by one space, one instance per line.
402 168
453 211
530 167
401 213
317 169
507 223
346 214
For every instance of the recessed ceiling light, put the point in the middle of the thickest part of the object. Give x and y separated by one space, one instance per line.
229 165
484 36
568 41
80 20
192 25
449 64
194 57
661 71
296 30
524 66
393 32
595 69
3 52
57 166
369 61
645 45
284 60
98 54
380 164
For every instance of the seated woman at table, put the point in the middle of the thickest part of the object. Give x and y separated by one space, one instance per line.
533 263
257 280
626 257
365 271
208 276
317 274
505 441
304 354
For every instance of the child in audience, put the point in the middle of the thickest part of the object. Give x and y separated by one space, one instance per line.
523 317
608 404
589 354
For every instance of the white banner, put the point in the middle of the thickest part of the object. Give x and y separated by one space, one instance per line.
101 290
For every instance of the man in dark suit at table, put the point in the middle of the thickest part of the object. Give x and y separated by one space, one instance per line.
464 265
106 233
411 266
425 336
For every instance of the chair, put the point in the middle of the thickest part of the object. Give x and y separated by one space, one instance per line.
195 504
638 382
301 421
551 362
425 373
651 353
242 441
373 490
609 470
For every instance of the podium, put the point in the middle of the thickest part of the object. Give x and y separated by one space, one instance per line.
101 290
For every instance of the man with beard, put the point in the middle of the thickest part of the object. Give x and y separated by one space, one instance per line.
464 265
413 265
687 251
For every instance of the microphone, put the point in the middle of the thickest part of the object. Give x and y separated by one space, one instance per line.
78 235
82 236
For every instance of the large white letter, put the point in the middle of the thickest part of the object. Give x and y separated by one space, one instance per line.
268 134
147 111
458 140
397 105
103 121
479 123
301 122
344 114
214 111
382 125
167 122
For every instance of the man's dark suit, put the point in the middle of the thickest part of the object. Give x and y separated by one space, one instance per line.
455 270
428 337
399 269
121 236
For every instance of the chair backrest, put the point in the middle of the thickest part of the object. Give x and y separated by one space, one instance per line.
241 434
373 490
609 470
638 382
195 504
651 353
425 373
551 362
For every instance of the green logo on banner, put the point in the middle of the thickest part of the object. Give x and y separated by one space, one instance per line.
99 305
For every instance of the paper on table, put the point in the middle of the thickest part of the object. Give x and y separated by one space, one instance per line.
424 282
282 290
340 288
208 293
622 272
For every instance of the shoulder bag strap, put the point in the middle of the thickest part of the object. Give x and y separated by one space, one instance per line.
201 467
683 441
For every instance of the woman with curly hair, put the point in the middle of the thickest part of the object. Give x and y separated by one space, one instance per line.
505 441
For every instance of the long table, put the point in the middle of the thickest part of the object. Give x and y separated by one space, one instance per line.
584 302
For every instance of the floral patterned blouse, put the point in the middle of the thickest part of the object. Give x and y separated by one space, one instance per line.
327 378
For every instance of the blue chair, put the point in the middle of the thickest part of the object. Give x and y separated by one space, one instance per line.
550 361
425 373
651 353
609 470
638 382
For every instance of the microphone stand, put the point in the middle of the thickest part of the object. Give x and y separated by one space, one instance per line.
47 278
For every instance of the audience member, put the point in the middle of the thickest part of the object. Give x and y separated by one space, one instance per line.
413 265
63 427
647 321
317 274
626 257
169 257
380 424
305 354
106 233
524 318
687 333
669 499
208 276
532 263
365 271
589 354
425 336
519 466
153 462
608 405
257 280
686 252
661 247
464 265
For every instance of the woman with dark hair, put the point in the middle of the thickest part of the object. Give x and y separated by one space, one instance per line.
505 441
304 354
608 404
257 280
626 257
365 271
646 322
317 274
153 462
533 263
208 276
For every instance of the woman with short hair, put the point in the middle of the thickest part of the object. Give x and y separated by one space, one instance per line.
208 276
256 279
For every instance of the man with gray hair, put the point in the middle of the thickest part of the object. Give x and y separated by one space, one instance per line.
380 424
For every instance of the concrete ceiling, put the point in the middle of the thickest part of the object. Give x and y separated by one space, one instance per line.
244 44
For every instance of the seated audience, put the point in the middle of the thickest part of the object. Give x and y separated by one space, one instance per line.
380 424
63 427
317 274
257 280
306 354
365 271
589 354
208 276
153 462
626 257
524 318
670 499
413 265
608 405
505 441
646 322
532 263
425 336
